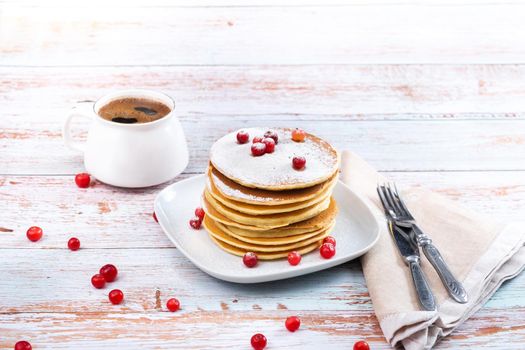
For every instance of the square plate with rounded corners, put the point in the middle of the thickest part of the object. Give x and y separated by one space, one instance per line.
356 231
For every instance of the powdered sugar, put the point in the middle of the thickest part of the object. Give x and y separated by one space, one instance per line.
274 170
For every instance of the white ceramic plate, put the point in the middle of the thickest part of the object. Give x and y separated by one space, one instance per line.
356 231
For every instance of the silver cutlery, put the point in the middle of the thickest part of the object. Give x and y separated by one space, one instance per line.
397 211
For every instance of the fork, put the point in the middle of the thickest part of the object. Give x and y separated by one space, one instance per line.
401 215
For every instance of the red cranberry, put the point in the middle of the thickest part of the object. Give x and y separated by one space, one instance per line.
155 217
298 135
116 296
173 305
243 137
258 341
292 323
23 345
199 212
272 134
98 281
109 272
298 163
361 345
327 250
270 145
34 233
82 180
329 239
73 243
196 223
257 139
294 258
250 259
258 149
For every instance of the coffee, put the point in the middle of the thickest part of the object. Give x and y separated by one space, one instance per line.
130 110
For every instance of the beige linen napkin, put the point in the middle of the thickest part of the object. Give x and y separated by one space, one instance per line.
482 254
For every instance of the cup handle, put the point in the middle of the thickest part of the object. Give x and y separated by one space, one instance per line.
84 110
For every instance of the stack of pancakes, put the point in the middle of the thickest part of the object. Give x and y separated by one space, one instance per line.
262 204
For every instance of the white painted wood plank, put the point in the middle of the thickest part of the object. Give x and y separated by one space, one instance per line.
411 33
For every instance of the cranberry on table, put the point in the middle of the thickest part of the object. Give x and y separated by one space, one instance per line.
270 145
155 217
173 304
257 139
23 345
258 149
292 323
298 163
199 212
250 259
258 341
294 258
73 243
109 272
272 134
243 137
83 180
298 135
98 281
116 296
196 223
329 239
34 233
327 250
361 345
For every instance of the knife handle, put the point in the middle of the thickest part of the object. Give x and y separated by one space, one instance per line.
454 287
425 296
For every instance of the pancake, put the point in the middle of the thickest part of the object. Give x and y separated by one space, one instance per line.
274 171
319 221
264 256
273 240
254 209
267 221
218 234
234 191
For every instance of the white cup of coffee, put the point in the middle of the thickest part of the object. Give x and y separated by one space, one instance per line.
134 139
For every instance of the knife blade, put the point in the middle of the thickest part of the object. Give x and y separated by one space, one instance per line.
410 253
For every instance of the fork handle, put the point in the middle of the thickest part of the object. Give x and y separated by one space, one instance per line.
424 293
454 287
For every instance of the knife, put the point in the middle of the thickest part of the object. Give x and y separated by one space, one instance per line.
410 253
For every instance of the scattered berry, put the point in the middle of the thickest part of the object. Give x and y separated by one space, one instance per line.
298 163
199 212
270 145
257 139
327 250
298 135
258 341
195 223
155 217
173 305
23 345
83 180
258 149
73 243
34 233
292 323
361 345
243 137
329 239
250 259
116 296
294 258
272 134
98 281
109 272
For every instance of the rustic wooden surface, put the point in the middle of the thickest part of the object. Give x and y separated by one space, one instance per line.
447 77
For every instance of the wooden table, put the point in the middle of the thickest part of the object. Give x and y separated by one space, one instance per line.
431 94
